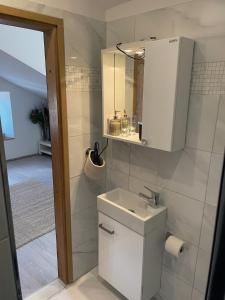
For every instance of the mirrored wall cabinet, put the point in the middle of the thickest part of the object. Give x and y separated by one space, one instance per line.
146 89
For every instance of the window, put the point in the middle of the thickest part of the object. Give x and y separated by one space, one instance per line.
6 115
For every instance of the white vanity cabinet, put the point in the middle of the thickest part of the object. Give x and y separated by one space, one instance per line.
129 261
167 75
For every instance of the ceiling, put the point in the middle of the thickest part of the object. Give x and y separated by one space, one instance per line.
107 4
22 63
22 75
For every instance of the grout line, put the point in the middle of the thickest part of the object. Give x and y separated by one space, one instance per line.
197 149
201 225
167 189
72 177
177 276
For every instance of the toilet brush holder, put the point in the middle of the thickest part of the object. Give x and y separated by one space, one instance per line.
92 170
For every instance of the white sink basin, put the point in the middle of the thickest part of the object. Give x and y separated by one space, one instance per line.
131 210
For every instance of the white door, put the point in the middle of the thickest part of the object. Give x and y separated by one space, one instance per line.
120 257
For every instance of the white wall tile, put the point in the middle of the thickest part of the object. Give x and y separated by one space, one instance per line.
209 49
184 266
154 24
137 185
118 156
184 216
84 39
83 193
77 149
208 225
219 142
213 187
202 269
196 295
120 31
84 112
115 179
84 227
144 163
202 117
172 288
83 263
185 172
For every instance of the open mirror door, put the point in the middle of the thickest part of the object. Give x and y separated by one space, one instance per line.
9 275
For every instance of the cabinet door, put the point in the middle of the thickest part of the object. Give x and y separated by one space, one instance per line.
120 257
159 95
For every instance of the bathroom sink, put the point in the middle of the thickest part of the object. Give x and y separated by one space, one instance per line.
130 210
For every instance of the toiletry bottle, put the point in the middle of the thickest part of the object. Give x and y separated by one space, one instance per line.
115 125
125 124
125 120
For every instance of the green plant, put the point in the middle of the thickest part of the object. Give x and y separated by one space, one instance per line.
41 116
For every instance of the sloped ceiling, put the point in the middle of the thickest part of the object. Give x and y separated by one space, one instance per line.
22 75
26 45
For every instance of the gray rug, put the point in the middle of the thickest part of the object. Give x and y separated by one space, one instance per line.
33 210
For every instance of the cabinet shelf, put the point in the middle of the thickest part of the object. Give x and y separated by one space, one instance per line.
45 147
133 139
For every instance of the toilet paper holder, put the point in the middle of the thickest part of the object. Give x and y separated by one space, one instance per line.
168 234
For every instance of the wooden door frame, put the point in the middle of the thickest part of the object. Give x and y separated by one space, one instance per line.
53 30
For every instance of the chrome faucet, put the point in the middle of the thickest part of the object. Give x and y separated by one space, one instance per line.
152 200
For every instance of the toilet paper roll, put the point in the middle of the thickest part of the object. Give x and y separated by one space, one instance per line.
174 246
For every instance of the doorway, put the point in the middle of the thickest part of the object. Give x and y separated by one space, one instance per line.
26 131
52 29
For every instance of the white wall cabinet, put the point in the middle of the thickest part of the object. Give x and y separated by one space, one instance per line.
130 262
157 95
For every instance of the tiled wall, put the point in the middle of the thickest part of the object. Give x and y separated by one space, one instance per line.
84 38
189 179
83 79
208 78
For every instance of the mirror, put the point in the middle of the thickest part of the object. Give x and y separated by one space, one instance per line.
127 96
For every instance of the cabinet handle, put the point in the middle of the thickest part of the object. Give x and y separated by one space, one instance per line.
105 229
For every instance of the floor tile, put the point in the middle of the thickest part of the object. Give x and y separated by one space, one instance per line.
37 260
88 287
37 263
